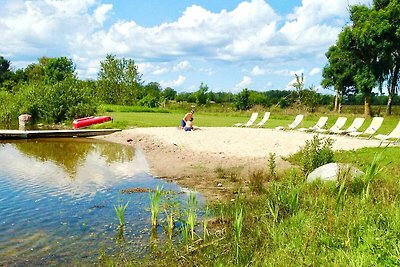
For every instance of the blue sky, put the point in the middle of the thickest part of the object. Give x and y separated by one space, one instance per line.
227 44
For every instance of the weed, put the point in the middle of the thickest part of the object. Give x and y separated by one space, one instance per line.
315 153
272 165
257 181
205 223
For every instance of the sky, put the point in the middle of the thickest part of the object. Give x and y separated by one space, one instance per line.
226 44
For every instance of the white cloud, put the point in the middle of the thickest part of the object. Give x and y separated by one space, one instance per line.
246 81
256 71
286 72
183 65
315 71
175 83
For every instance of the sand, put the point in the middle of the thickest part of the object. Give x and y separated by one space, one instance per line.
206 159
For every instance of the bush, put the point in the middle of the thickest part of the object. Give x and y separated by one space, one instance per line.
315 153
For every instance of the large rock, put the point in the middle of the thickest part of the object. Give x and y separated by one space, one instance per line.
330 171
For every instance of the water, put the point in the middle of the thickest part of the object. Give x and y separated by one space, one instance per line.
57 200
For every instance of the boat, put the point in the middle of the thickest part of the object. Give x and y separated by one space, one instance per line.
85 122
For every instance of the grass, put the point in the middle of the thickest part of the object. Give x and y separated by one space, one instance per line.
155 198
120 212
294 223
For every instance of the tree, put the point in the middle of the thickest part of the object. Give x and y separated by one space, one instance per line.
119 81
5 71
338 73
242 101
58 69
201 94
169 93
385 21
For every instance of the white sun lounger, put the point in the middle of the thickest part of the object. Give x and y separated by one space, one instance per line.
319 125
357 123
395 134
264 119
337 126
372 128
249 122
294 124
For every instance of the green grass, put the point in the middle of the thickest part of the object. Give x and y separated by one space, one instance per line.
295 223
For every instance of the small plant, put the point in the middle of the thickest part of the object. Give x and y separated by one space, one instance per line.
315 153
120 211
237 226
191 213
185 235
272 165
257 181
155 198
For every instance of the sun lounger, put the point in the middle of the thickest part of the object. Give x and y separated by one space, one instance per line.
264 119
395 134
293 125
372 128
337 126
319 125
249 122
357 123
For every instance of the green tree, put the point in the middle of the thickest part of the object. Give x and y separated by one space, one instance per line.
169 93
119 81
5 71
242 101
201 94
58 69
338 73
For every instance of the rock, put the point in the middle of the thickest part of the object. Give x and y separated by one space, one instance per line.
330 171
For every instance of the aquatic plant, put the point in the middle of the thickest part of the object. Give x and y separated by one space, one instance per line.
120 211
191 213
155 198
237 226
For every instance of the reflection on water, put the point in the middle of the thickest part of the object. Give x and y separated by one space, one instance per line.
57 199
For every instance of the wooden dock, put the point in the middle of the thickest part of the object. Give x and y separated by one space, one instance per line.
18 134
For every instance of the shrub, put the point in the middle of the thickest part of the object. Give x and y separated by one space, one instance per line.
315 153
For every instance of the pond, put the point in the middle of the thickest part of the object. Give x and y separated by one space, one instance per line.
57 199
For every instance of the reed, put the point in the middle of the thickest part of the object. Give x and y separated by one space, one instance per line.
155 198
272 165
169 217
185 235
120 212
237 226
191 213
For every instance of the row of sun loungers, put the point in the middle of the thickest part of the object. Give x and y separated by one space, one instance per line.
319 127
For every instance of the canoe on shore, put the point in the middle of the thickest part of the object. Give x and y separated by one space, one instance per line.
85 122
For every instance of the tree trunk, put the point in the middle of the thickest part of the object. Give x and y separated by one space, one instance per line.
392 89
389 105
336 104
367 105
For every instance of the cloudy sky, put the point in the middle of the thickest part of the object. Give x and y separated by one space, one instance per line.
227 44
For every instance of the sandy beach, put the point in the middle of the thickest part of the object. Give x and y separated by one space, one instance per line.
193 159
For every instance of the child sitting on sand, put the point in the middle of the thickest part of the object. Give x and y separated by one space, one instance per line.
189 125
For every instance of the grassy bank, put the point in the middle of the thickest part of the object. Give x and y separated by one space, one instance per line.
285 221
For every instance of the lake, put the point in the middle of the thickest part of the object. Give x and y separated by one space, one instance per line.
57 199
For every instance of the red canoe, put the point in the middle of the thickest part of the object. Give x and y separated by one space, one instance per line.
85 122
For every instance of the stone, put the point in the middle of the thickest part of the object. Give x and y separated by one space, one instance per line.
330 171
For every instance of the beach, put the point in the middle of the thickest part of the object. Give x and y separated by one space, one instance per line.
212 159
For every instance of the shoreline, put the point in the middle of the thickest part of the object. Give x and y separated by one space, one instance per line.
213 160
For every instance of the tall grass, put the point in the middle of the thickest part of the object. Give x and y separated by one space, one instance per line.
191 212
237 226
370 174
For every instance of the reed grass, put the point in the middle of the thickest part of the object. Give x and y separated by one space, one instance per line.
120 212
191 211
155 198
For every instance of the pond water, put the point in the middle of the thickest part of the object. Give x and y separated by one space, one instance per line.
57 200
